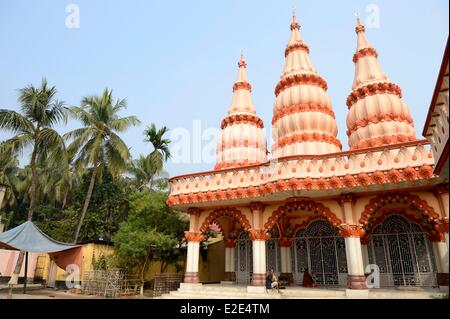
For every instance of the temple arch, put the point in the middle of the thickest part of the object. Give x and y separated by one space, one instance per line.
302 204
408 199
319 248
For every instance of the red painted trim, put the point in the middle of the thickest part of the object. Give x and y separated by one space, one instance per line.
377 118
437 90
242 85
372 89
382 200
302 204
307 137
305 107
384 140
228 212
242 118
295 47
306 157
363 53
300 79
293 184
442 160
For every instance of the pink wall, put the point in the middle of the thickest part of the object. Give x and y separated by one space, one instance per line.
8 260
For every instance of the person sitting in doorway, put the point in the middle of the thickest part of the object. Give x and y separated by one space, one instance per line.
308 280
272 281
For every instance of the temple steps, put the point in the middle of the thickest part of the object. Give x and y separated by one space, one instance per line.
216 291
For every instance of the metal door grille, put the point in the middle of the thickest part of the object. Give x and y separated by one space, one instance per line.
403 253
321 250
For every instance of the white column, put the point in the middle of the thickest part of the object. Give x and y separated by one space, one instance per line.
355 265
259 262
441 252
191 275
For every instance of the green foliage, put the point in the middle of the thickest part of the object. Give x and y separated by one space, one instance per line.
152 230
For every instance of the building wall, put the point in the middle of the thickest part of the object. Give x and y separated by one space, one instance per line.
8 259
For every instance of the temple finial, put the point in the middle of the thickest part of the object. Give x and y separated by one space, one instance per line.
242 62
359 26
294 24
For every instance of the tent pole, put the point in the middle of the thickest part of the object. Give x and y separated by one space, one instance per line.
25 277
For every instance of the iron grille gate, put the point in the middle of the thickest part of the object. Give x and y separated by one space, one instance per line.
403 253
321 250
244 258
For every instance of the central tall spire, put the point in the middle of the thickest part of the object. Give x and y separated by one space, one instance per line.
303 118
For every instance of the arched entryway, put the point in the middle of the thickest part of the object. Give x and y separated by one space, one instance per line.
320 249
244 257
403 253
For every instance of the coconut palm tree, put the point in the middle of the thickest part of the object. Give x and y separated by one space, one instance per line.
97 144
9 166
33 126
160 153
146 175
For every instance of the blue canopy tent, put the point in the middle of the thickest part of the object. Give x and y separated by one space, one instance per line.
28 237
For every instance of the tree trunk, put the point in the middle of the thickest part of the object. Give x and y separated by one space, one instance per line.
86 203
16 273
66 194
33 184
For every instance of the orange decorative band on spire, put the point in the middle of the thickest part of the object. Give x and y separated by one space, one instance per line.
294 47
242 85
372 89
384 140
235 163
307 137
295 25
364 52
360 28
242 63
304 107
242 119
377 118
294 184
237 143
298 79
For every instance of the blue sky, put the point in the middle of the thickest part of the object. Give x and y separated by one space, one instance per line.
175 61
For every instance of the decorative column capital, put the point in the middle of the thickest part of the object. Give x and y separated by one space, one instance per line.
347 198
194 237
440 228
259 234
355 231
285 241
194 211
230 243
258 206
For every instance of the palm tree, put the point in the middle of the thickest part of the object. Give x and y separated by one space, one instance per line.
146 175
9 167
97 144
161 151
40 111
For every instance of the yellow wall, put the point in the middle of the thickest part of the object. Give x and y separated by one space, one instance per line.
213 268
210 270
